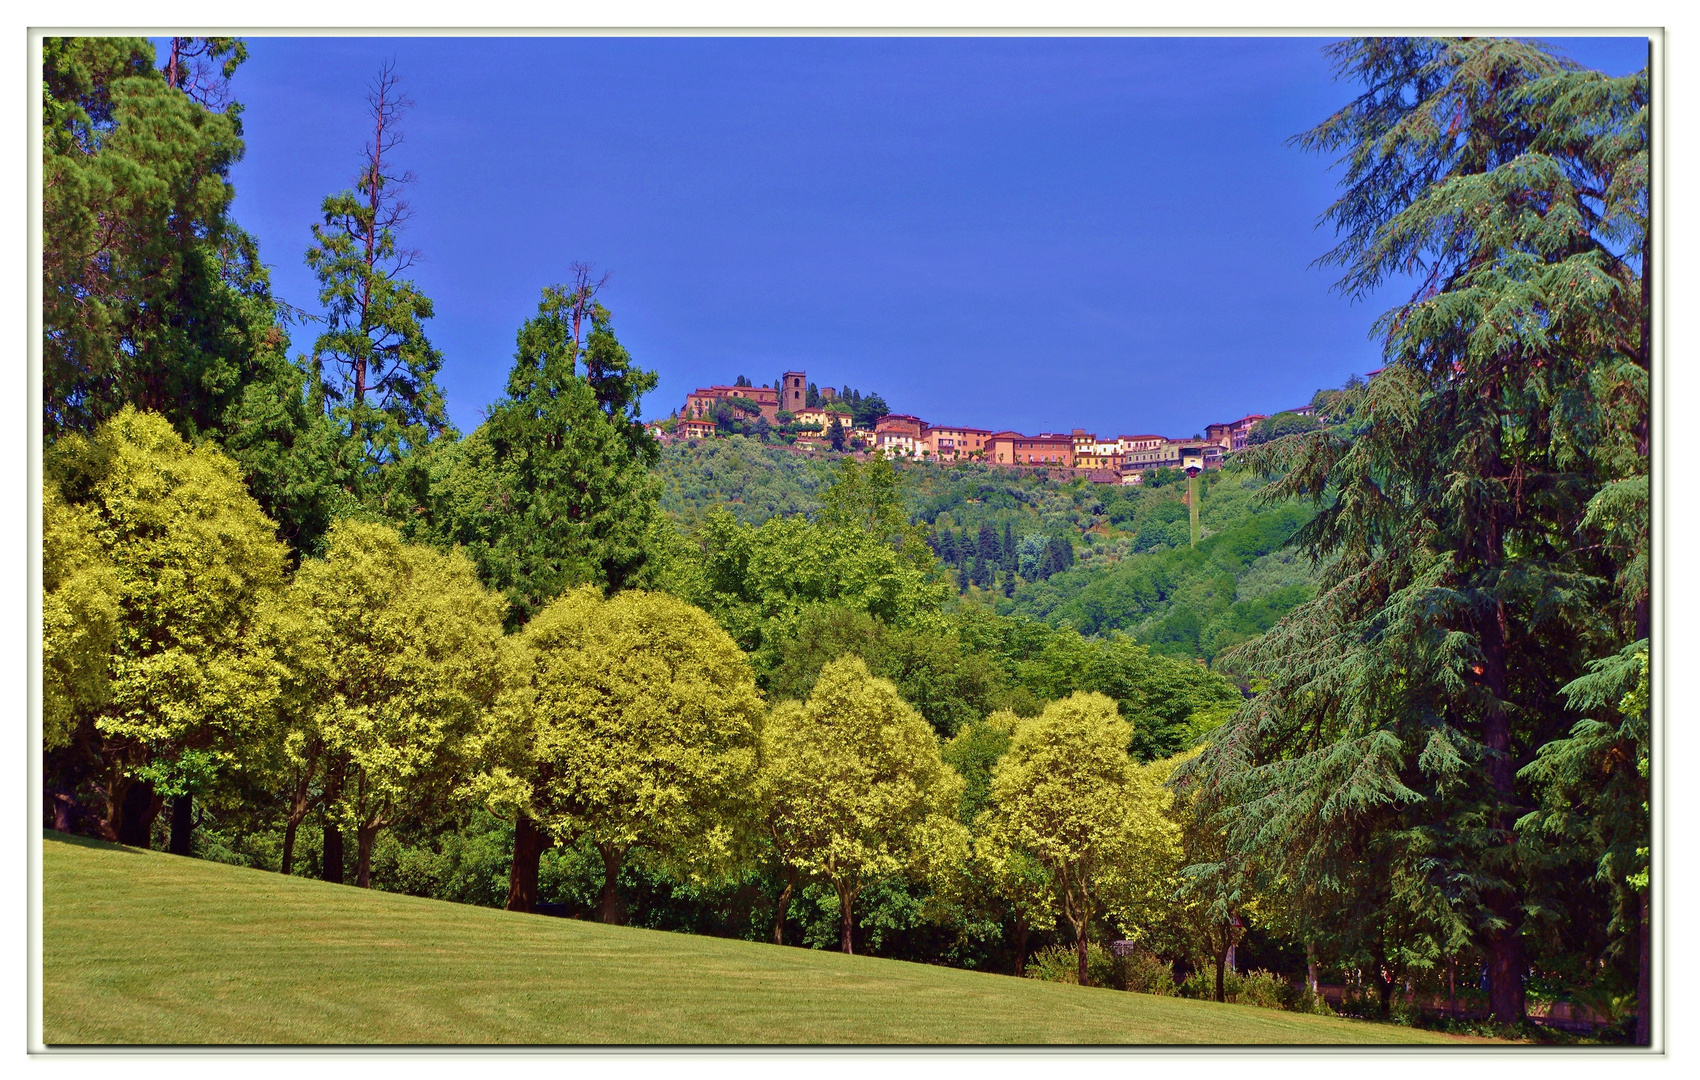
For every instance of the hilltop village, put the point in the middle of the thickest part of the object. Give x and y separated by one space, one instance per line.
807 418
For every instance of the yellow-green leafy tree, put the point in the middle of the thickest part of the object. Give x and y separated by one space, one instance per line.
998 878
631 723
396 655
155 561
1068 798
79 615
852 787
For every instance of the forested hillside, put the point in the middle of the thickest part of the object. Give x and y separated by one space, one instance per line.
1180 600
752 480
1067 552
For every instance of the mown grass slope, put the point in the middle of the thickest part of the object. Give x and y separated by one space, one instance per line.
144 947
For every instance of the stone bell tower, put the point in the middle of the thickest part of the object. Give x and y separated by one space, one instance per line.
794 391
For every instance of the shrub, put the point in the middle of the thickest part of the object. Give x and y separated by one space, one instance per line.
1143 973
1201 984
1061 964
1264 990
1261 988
1304 1001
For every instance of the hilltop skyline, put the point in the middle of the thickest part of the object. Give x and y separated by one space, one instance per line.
1038 234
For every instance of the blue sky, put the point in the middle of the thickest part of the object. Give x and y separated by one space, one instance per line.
1037 233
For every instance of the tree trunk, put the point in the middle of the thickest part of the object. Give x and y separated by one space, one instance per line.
364 835
1222 964
300 803
1020 945
66 811
1080 954
289 845
333 851
182 823
333 831
781 907
1310 966
1644 978
1504 946
846 900
610 891
1505 968
135 821
528 854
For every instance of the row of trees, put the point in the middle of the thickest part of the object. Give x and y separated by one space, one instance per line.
351 675
156 300
375 686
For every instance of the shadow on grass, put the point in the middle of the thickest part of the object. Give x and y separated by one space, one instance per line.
87 841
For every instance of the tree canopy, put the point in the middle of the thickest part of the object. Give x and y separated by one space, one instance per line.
397 652
632 723
852 788
1068 798
152 296
553 489
377 367
156 559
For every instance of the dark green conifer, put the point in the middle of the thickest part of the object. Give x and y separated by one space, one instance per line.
151 295
378 368
1481 527
554 489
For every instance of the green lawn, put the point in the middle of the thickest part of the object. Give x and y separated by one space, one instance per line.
144 947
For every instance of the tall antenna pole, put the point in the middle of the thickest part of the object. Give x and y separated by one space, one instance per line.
1192 460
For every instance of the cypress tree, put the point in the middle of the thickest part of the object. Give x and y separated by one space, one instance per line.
946 547
1059 556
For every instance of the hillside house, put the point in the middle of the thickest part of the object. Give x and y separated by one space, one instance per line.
900 435
955 443
1014 448
1232 434
699 404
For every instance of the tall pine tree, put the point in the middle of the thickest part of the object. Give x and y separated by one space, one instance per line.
151 295
377 367
554 489
1481 536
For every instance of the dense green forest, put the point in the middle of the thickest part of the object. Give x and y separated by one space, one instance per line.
1387 725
